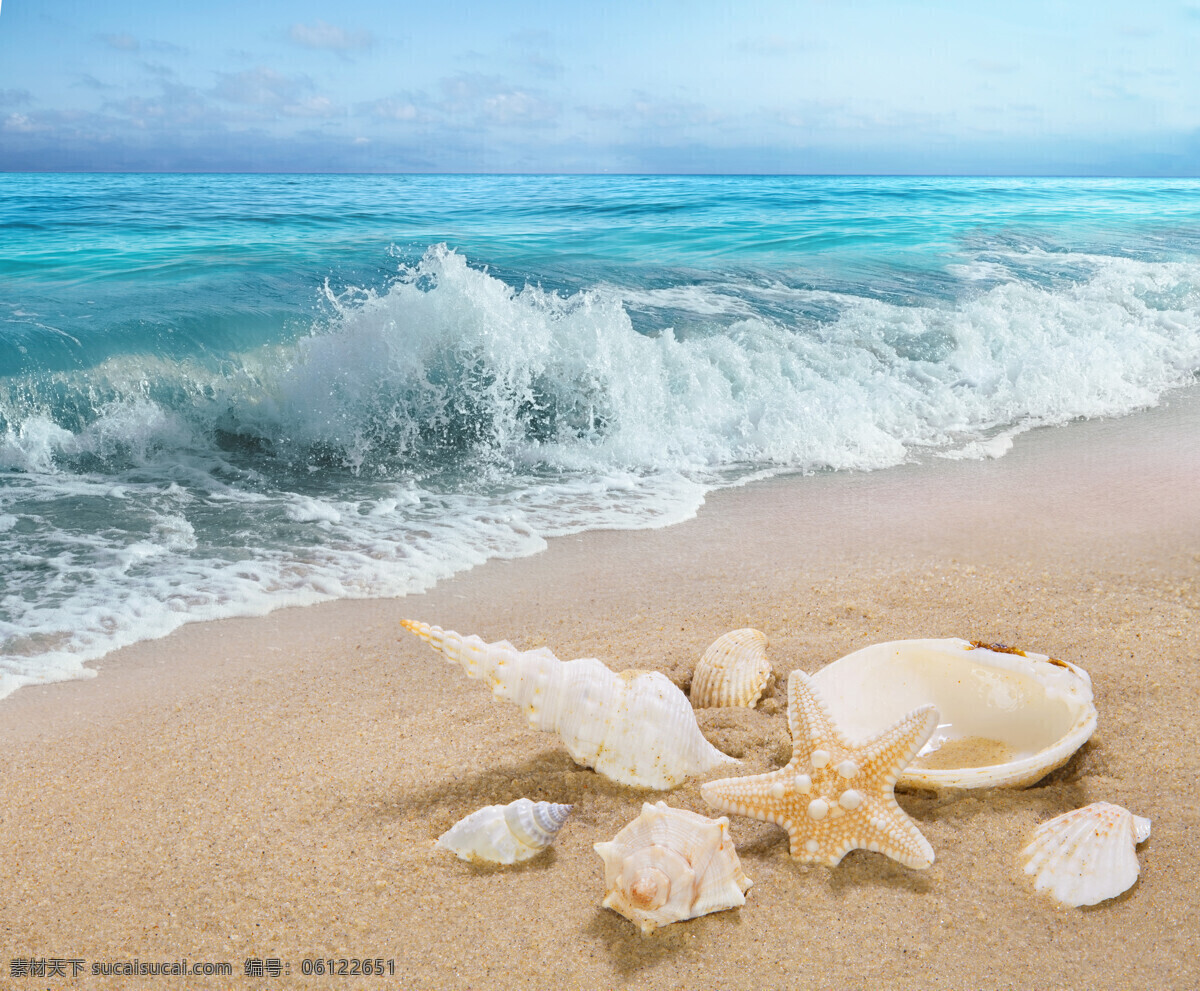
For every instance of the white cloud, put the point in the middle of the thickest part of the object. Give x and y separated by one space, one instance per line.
261 87
121 42
313 106
174 107
647 111
490 100
269 93
20 123
330 37
392 108
544 65
160 70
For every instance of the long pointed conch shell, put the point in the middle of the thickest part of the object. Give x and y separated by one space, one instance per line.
733 671
669 865
505 834
634 727
1088 855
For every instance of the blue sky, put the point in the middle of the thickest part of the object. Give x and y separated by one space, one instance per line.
827 86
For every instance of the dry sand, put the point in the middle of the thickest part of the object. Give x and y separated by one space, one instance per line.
272 788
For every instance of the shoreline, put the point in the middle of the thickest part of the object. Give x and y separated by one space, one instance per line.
1128 472
272 787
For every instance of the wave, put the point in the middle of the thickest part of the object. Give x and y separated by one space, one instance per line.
447 417
450 364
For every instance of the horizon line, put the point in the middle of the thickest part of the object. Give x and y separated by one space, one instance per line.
615 174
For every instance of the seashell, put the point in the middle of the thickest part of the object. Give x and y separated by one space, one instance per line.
669 865
734 671
1088 855
634 727
505 834
1007 718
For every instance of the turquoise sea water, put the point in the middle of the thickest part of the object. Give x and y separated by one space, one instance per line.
224 394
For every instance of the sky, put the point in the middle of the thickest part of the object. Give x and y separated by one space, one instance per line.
1033 87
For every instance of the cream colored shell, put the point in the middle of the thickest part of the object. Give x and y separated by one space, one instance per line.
1088 855
734 671
669 865
634 727
1006 718
505 834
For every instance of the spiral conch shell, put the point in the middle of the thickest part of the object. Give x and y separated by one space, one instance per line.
734 671
1088 855
669 865
634 727
505 834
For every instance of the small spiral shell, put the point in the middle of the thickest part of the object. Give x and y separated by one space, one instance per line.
734 671
505 834
669 865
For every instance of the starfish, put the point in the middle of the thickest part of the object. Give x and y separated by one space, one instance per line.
834 795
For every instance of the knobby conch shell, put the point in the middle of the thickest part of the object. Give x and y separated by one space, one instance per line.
1088 855
669 865
505 834
733 671
634 727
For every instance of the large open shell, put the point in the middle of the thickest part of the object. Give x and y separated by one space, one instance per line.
669 865
505 834
1088 855
734 671
1007 717
634 727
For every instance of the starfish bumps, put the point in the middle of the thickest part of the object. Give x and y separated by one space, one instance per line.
834 796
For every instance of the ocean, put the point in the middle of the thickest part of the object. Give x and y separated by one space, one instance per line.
224 394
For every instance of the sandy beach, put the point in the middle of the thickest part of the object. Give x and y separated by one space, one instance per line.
270 789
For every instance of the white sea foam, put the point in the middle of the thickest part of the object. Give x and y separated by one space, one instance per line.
452 418
308 510
32 446
568 381
978 450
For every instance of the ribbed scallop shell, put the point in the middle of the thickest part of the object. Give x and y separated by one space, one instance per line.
634 727
734 671
505 834
1088 855
669 865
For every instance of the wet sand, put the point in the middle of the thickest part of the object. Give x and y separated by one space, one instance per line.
271 789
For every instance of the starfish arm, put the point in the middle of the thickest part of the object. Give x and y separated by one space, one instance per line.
745 796
900 743
889 830
877 829
808 717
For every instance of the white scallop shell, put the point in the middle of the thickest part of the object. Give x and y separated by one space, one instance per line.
505 834
634 727
1007 718
669 865
733 671
1088 855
